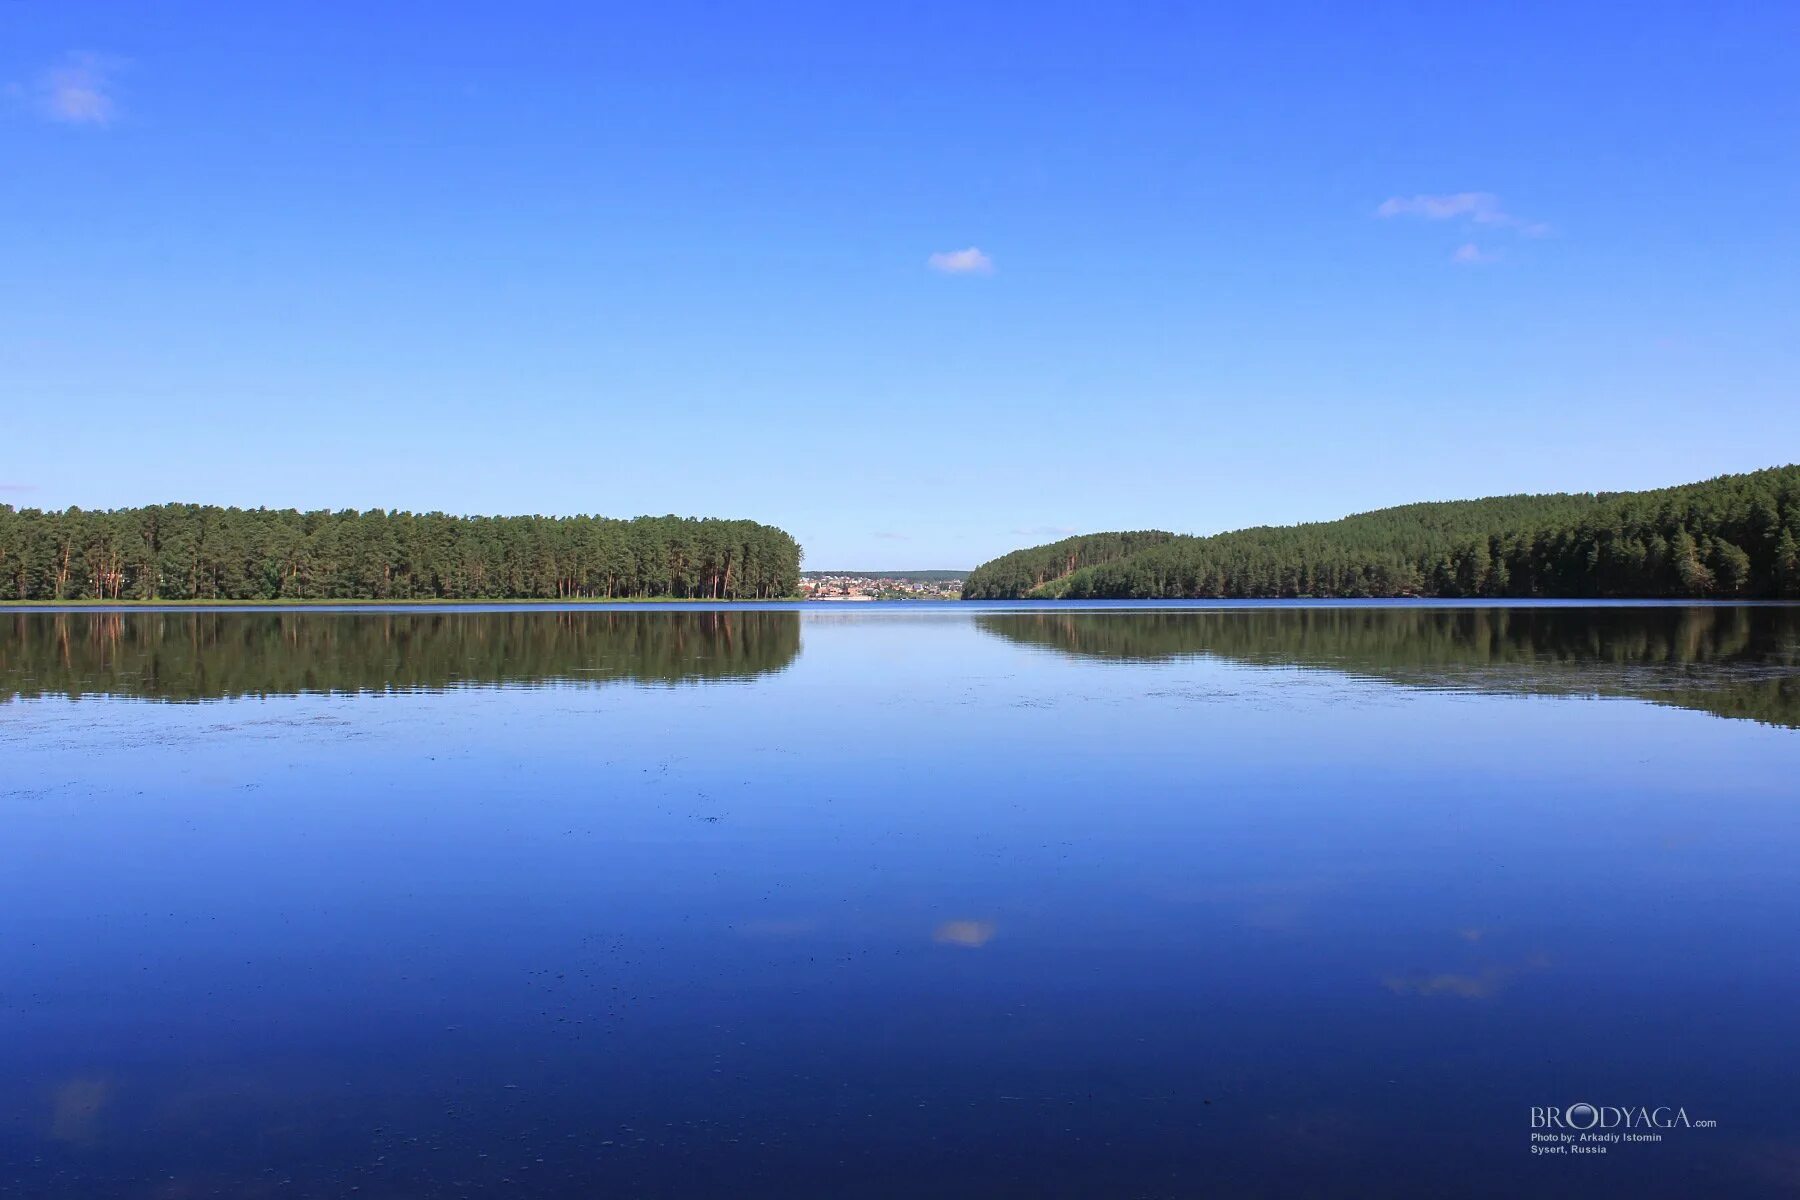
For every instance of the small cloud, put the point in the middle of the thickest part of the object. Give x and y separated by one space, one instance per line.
18 487
1044 530
971 935
1477 208
889 536
78 91
1470 255
1480 207
961 262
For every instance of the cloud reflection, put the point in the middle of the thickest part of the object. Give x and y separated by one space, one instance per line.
801 927
1481 984
970 934
75 1109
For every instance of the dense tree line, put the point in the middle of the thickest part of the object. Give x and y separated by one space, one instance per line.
200 552
173 655
1738 661
1737 536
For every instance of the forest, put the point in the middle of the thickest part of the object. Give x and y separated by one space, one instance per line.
200 552
1736 536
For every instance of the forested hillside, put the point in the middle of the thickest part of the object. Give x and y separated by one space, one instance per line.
1734 536
1017 574
199 552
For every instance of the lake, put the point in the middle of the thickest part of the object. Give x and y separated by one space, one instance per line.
901 901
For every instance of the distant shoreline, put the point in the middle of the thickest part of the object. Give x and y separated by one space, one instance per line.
796 604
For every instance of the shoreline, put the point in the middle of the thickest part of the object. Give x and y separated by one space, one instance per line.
795 604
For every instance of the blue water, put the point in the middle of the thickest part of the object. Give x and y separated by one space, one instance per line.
897 901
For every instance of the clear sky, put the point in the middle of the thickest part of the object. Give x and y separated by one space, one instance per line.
920 283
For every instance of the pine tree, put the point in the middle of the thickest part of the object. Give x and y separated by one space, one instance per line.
1695 579
1787 565
1732 567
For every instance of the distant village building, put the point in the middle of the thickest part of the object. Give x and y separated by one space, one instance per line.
878 587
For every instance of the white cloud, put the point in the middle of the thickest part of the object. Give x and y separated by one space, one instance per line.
1478 208
78 91
1470 255
886 535
961 262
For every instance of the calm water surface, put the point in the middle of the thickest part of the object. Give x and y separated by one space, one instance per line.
897 902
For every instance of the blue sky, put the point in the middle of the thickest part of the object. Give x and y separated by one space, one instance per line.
919 283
